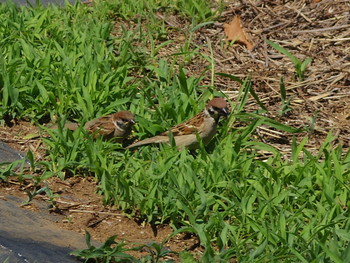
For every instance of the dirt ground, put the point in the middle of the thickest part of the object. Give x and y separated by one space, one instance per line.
81 207
321 102
82 210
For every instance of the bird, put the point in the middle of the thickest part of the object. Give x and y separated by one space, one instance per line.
204 125
117 125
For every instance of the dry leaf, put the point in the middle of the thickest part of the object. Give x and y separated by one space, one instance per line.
234 31
315 1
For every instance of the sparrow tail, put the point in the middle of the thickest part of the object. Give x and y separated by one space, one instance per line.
156 139
69 125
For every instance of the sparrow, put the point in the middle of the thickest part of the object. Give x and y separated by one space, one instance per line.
185 134
117 125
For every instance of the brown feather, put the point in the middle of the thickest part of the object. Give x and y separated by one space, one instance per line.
185 134
109 126
118 125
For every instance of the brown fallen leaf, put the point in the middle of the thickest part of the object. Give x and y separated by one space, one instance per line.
234 31
315 1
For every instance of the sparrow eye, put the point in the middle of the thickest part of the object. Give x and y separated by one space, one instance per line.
211 111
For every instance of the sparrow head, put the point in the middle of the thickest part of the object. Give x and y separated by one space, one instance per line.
124 119
217 107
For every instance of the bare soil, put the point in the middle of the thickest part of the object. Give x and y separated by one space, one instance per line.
305 28
81 210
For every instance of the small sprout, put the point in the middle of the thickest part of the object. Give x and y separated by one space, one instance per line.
300 66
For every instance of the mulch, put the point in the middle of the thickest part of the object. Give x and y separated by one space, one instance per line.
319 104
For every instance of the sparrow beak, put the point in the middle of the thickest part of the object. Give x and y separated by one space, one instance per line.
224 112
132 122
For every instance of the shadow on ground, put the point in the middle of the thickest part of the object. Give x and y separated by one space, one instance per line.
28 236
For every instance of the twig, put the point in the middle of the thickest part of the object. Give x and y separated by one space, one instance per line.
94 212
93 224
322 29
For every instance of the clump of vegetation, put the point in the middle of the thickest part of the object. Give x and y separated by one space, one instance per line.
69 62
112 251
300 66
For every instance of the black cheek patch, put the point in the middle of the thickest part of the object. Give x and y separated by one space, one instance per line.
211 111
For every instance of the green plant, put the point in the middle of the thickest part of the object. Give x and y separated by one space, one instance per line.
199 11
78 64
15 168
300 66
36 191
311 127
285 102
109 251
112 251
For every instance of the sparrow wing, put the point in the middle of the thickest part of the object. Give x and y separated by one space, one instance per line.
181 129
101 126
192 126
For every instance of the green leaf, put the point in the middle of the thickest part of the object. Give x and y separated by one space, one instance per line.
255 96
259 250
304 64
234 78
346 254
201 25
43 91
331 254
269 122
243 98
283 89
283 51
